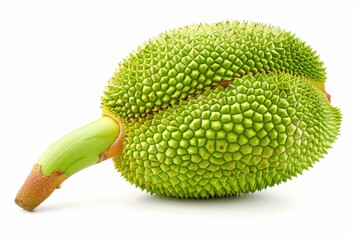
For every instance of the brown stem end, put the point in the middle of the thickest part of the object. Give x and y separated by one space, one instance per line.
38 187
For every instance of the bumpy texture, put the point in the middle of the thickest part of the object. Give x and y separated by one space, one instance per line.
220 109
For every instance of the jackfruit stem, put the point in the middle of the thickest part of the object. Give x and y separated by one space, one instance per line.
84 147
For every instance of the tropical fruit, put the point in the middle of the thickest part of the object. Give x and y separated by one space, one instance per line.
207 110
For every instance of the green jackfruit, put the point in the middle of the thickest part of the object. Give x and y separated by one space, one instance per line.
188 134
212 110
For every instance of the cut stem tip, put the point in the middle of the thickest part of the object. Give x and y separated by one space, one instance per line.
38 187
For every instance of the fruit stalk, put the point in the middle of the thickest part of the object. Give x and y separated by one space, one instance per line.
84 147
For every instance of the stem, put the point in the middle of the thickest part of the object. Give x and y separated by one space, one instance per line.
73 152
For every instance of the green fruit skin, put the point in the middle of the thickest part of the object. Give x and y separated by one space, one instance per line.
184 62
220 109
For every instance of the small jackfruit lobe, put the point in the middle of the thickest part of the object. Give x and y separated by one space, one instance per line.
182 63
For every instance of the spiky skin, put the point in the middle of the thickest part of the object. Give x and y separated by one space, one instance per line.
220 109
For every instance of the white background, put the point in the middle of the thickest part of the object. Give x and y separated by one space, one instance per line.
55 60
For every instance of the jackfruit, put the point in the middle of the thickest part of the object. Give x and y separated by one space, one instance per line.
207 110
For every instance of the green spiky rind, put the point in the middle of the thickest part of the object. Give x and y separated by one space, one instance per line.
259 131
186 62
